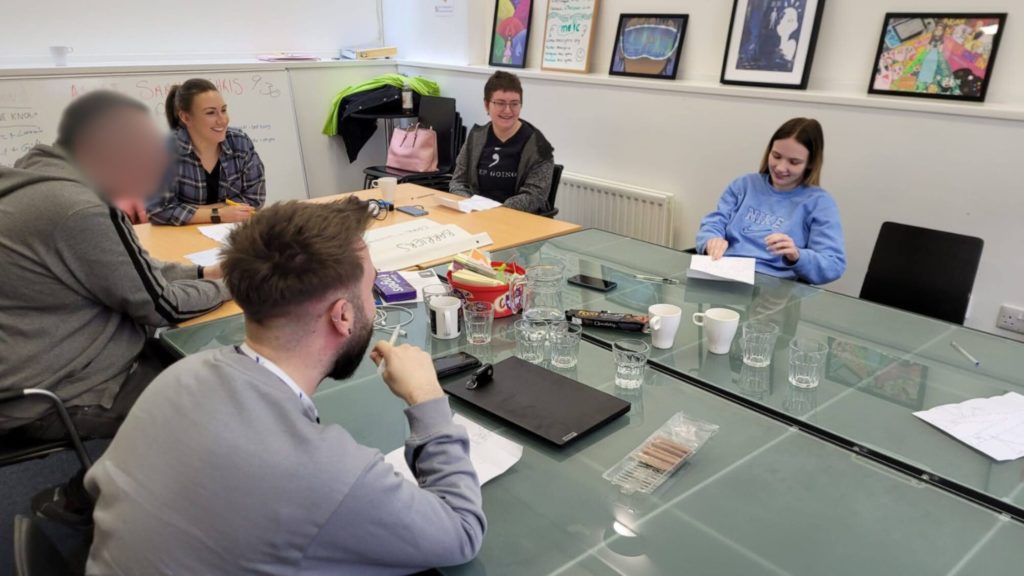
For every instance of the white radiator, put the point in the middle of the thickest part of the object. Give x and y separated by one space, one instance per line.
632 211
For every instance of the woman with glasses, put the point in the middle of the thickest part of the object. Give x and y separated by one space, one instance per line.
507 160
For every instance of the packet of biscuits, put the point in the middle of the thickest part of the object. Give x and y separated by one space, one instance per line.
661 454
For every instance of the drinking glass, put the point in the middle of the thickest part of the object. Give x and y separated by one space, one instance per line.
479 320
542 298
531 340
630 362
564 338
806 362
759 343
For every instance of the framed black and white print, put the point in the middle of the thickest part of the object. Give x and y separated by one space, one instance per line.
771 42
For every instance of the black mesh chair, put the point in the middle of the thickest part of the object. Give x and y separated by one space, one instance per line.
15 448
920 270
35 554
556 179
438 113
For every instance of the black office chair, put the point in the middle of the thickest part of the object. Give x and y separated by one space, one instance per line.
15 448
556 179
438 113
34 553
920 270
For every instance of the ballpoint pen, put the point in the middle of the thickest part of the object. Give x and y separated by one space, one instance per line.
965 353
394 337
647 278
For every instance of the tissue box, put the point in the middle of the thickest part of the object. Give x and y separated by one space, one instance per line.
393 288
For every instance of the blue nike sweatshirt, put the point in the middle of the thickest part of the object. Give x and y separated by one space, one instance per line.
751 209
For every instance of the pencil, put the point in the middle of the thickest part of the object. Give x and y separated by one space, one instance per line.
394 338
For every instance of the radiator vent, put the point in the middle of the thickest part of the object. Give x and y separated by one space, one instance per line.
632 211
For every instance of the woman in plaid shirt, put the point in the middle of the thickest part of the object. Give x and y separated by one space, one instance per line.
219 175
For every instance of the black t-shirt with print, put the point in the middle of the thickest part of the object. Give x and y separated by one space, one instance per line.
498 170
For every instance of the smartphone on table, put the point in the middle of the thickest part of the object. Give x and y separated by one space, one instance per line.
599 284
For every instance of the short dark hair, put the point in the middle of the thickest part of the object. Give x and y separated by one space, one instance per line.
502 81
291 253
180 97
89 110
808 132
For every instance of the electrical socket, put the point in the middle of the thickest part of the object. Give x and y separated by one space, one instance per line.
1011 318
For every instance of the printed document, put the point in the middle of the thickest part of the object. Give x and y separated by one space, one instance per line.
490 453
994 425
726 268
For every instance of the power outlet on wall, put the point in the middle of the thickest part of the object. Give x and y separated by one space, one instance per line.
1011 318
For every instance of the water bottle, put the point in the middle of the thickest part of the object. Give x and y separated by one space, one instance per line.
406 99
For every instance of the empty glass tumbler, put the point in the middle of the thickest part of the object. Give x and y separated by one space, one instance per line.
759 343
531 340
630 362
479 317
806 362
564 341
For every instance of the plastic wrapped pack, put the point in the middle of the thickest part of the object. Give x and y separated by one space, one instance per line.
661 454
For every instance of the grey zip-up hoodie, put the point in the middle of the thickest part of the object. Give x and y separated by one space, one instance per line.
77 291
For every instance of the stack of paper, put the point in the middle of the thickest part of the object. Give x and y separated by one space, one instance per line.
727 268
218 232
205 258
490 453
994 425
418 241
475 203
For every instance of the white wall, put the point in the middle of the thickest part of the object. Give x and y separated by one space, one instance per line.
147 31
918 165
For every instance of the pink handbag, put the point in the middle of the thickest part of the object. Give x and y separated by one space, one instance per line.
413 149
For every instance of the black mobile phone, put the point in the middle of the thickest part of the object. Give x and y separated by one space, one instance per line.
599 284
452 364
413 210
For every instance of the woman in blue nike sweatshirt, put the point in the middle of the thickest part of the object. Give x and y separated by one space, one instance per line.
779 215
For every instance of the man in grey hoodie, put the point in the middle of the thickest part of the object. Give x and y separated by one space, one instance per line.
79 295
251 481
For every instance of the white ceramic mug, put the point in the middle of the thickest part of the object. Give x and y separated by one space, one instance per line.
388 188
664 324
60 54
445 319
720 326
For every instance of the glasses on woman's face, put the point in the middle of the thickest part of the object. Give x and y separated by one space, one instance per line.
502 104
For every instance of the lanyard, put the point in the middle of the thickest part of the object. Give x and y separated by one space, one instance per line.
308 408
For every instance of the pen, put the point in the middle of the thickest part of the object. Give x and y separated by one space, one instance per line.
647 278
424 196
965 353
394 337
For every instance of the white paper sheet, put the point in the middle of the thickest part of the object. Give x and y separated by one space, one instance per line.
418 241
205 258
218 232
994 425
475 203
419 281
727 268
490 453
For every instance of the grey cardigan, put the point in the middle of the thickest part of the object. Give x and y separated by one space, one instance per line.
536 167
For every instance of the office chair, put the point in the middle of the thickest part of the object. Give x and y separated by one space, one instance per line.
35 554
556 179
438 113
15 449
925 271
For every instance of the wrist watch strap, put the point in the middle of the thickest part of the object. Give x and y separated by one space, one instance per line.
215 216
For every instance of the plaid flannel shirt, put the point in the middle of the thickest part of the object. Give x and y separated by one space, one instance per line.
241 179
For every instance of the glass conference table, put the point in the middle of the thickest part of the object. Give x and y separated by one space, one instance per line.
773 492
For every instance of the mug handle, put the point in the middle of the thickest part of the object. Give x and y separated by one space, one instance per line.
375 183
654 323
698 315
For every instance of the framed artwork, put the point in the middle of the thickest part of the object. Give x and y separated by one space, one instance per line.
569 35
877 373
649 45
510 34
928 55
771 42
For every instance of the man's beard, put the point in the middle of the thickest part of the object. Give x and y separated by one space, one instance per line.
352 354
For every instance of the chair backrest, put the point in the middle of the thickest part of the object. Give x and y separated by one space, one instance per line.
920 270
556 179
34 553
439 113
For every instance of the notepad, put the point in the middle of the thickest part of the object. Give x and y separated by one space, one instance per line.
727 269
994 426
218 232
492 455
475 203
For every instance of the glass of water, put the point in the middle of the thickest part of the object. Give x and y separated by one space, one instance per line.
531 340
806 362
479 318
759 343
630 362
564 338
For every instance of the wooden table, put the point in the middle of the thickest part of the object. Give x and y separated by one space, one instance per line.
508 228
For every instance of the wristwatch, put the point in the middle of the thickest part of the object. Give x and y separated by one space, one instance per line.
215 216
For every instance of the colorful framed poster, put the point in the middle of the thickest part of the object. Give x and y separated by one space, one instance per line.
649 45
927 55
510 34
569 35
877 373
771 42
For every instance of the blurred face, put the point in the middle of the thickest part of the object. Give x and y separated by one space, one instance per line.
125 155
787 164
208 119
504 108
354 349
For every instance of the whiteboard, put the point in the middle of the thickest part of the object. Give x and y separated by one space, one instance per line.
260 103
